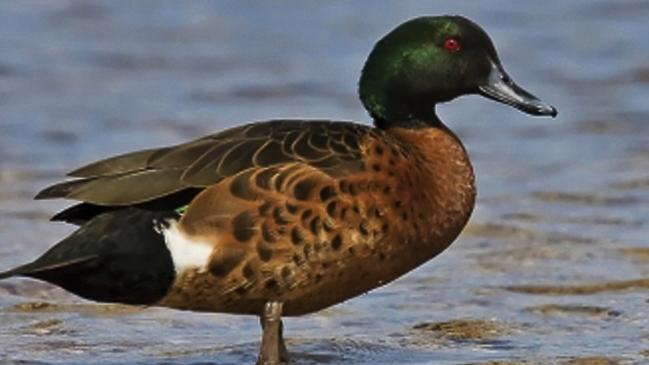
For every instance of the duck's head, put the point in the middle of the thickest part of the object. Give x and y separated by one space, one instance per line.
434 59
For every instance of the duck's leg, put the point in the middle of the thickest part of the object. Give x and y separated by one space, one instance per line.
273 350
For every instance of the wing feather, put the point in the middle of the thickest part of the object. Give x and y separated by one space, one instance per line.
129 162
147 175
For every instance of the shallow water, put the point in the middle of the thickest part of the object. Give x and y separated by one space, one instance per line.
553 268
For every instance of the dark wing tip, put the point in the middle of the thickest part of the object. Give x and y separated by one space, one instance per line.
120 164
79 214
60 190
54 191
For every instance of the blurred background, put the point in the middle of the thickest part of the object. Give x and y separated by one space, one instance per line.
550 270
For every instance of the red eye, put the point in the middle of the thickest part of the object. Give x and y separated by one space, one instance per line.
452 45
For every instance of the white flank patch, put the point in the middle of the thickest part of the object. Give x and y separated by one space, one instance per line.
186 253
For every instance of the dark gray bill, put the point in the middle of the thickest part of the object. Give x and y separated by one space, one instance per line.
501 88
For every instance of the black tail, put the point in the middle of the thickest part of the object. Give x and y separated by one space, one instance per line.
10 273
118 256
37 266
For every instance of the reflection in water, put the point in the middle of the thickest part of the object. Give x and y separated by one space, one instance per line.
552 268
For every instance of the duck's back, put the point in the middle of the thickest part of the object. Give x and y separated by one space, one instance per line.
169 177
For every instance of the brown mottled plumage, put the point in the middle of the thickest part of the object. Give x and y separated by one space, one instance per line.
296 234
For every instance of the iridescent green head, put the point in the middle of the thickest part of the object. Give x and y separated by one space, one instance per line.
429 60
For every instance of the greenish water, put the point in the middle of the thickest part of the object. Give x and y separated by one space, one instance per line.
551 269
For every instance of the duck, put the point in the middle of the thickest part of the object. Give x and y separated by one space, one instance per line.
288 217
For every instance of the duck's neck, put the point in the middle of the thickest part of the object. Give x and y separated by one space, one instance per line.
414 118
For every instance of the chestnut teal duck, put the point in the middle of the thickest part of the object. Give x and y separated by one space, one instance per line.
288 217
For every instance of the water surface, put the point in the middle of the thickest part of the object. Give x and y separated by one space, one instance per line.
553 268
